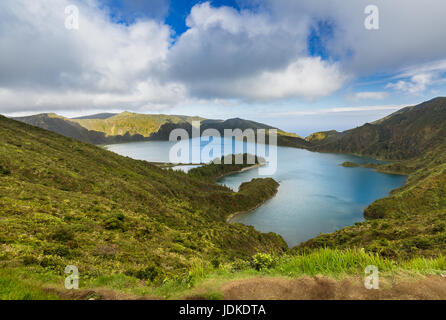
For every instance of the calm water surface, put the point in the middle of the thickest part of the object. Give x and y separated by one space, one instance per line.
316 194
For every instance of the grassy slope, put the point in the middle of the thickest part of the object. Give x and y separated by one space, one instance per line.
64 126
71 129
65 202
133 123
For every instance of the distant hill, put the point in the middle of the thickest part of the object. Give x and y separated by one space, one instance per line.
127 126
404 134
283 138
321 136
63 126
132 123
72 129
97 116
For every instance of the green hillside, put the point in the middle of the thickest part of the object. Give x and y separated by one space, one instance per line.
66 202
71 129
407 133
132 123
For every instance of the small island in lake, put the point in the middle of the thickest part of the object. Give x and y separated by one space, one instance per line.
350 164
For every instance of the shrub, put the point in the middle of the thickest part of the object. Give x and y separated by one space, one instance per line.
418 242
114 222
62 251
28 260
52 262
239 264
262 261
215 262
63 234
4 171
422 243
439 227
151 272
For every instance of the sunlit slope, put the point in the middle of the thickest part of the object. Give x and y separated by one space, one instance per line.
133 123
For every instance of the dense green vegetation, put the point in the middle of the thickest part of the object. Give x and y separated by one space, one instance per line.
224 166
205 278
65 202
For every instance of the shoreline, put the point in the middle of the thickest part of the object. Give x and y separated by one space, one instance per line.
258 165
231 216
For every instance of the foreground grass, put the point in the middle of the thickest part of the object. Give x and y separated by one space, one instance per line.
205 280
14 285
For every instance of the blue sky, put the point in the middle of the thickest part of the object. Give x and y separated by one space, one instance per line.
300 65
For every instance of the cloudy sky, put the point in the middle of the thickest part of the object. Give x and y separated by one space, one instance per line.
298 64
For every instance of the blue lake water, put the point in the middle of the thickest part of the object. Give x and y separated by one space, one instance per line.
316 194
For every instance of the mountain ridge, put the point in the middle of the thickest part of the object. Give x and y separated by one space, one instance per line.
130 127
404 134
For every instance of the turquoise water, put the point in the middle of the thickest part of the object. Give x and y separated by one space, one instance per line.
316 194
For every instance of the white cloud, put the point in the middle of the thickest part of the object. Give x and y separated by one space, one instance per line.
103 64
358 109
410 31
417 83
436 67
309 78
369 95
226 55
416 79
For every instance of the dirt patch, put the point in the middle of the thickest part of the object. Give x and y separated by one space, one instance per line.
321 288
97 294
